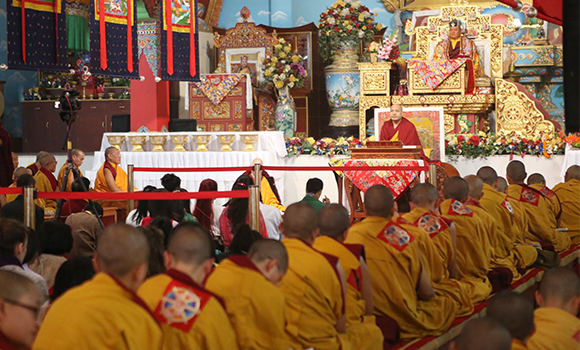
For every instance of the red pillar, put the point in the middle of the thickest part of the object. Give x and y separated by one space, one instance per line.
149 100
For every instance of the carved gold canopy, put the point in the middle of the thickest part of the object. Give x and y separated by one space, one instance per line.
487 36
417 5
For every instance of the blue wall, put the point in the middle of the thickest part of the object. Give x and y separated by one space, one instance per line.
17 81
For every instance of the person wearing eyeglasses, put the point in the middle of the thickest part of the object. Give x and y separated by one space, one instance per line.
20 311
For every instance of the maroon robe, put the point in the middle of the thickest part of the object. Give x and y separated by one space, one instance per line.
407 134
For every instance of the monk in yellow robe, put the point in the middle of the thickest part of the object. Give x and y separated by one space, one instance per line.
501 245
46 182
268 188
482 334
542 222
35 167
569 194
19 171
105 312
312 287
516 313
538 182
78 157
361 328
557 324
111 177
191 317
473 247
502 210
254 305
401 286
438 241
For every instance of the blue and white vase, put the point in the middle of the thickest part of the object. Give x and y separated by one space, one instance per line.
285 113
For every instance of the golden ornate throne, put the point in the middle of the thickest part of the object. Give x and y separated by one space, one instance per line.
488 38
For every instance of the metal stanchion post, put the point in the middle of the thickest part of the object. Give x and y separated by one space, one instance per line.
433 174
131 185
257 172
254 208
29 209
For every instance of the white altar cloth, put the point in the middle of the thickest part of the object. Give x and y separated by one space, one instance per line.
572 157
271 141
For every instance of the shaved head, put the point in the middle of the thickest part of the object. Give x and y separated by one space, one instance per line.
475 186
516 171
14 285
513 311
121 249
379 201
483 334
424 194
40 155
110 150
190 244
488 175
257 161
573 173
300 221
333 220
77 152
502 184
559 285
46 160
267 249
455 188
536 178
21 171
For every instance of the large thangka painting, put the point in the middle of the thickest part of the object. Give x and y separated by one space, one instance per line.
429 123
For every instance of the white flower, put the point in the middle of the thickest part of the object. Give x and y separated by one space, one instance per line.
282 76
345 12
367 14
291 85
361 34
356 4
272 69
287 68
331 21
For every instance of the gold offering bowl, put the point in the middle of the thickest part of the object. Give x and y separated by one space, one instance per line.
137 142
179 141
249 141
201 141
158 142
226 142
116 141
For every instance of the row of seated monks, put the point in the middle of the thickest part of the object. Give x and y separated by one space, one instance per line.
329 285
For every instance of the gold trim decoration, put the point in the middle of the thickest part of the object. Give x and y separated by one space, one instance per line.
515 112
366 102
45 6
449 123
179 141
137 141
158 142
120 19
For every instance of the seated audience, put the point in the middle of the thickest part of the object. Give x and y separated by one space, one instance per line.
189 259
473 246
557 323
105 312
268 190
15 209
135 217
17 172
314 188
57 241
13 238
165 208
502 185
78 157
206 212
46 182
401 287
184 206
171 182
236 213
155 238
35 167
20 311
76 205
243 239
86 231
538 182
164 224
255 306
516 313
361 328
503 209
313 286
111 177
539 209
569 194
72 273
272 220
482 334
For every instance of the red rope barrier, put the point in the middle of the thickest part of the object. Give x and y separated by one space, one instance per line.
10 190
287 168
145 195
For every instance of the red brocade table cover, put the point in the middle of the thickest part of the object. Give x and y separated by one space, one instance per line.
217 86
396 180
434 72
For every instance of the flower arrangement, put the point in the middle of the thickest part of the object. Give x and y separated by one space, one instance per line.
389 50
373 47
573 139
283 68
345 20
325 146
